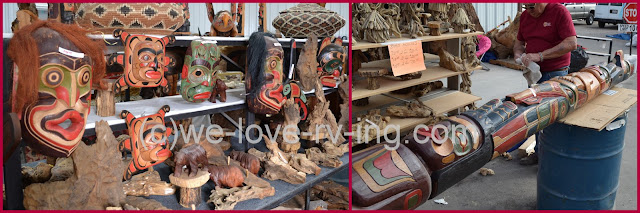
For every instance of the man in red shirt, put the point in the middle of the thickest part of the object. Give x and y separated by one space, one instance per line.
546 36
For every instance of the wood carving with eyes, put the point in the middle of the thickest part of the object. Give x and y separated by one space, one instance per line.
55 66
144 60
331 58
152 149
222 23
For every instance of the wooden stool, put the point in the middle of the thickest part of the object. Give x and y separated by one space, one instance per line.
190 187
105 99
372 75
434 27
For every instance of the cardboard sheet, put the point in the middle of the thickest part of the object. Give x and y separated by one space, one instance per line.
602 110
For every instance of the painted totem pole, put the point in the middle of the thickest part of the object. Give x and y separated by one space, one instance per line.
422 169
264 81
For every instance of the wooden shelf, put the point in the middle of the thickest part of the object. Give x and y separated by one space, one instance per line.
366 45
440 101
432 73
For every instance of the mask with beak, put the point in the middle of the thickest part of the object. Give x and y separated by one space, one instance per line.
330 60
147 142
55 70
198 72
144 60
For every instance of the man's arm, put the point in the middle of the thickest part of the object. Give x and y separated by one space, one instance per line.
518 49
567 45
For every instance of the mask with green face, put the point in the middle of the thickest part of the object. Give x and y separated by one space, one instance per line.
199 71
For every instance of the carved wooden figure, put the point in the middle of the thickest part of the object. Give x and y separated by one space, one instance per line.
193 157
55 67
247 161
331 58
147 141
473 136
226 176
199 72
222 23
264 81
144 60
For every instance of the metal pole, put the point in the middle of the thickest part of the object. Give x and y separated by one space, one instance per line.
307 199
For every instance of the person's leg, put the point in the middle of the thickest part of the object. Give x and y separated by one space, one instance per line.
533 158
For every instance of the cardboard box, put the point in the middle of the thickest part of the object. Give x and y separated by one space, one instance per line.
602 110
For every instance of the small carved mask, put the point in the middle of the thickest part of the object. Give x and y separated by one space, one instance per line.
223 21
144 60
264 82
199 71
144 142
330 60
55 123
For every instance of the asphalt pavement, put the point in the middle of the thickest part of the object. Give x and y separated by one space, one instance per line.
513 187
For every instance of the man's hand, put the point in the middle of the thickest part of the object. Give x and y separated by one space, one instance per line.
530 57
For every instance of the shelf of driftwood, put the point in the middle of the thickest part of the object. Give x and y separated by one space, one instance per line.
440 101
284 190
366 45
432 73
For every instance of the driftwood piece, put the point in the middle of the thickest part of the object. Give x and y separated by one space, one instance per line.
343 91
375 28
260 155
105 99
290 141
410 21
391 13
62 170
276 165
96 183
148 183
336 195
434 28
372 74
226 199
190 187
333 149
253 180
301 163
363 131
141 203
308 64
423 89
460 22
413 109
314 154
38 174
471 14
450 62
321 120
247 161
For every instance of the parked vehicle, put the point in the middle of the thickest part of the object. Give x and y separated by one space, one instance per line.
582 11
609 13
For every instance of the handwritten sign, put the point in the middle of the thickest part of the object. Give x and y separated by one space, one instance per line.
406 57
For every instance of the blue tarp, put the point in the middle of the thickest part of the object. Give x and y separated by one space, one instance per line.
622 36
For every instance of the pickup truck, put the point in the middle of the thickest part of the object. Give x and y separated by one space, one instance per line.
582 11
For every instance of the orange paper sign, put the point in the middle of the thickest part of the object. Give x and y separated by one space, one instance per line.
406 57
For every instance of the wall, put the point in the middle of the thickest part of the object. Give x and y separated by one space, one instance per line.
199 18
492 14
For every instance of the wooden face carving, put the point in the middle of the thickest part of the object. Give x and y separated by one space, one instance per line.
268 99
223 22
54 124
199 70
330 60
142 142
144 60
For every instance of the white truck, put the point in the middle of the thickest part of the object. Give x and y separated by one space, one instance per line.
609 13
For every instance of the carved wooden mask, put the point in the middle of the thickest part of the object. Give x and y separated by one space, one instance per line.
144 60
55 123
264 81
330 60
199 71
146 152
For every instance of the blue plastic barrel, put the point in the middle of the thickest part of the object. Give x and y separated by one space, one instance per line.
579 168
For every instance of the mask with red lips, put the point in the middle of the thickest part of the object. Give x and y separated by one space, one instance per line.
54 124
199 70
330 61
264 80
144 60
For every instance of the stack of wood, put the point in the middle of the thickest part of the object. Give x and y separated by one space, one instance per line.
502 41
335 196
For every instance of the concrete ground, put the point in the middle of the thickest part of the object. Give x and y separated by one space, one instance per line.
514 186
